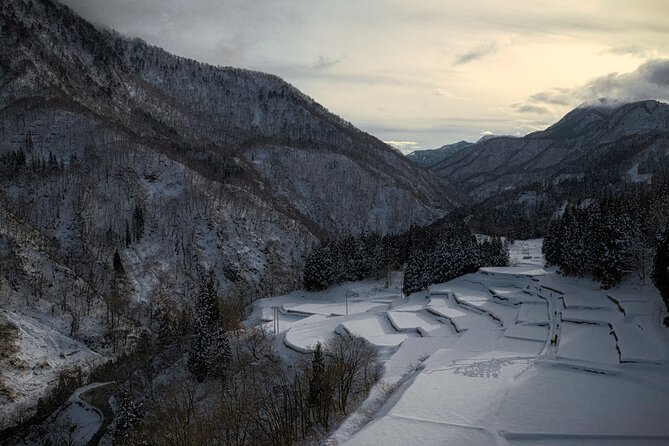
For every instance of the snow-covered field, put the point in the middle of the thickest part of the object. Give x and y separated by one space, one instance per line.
475 361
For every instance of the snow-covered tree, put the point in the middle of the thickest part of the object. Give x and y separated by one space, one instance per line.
129 418
318 268
210 350
661 267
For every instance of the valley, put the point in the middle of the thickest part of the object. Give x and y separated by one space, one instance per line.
473 361
196 254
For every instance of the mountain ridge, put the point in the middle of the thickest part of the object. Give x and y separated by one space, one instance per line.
585 132
429 157
127 173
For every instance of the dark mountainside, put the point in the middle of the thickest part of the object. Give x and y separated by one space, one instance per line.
588 141
126 172
429 157
517 184
215 154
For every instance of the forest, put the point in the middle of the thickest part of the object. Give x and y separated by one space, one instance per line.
431 254
614 234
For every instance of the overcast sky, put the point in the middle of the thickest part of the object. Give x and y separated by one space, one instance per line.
422 73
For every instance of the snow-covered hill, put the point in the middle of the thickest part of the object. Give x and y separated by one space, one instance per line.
475 363
41 355
230 156
609 140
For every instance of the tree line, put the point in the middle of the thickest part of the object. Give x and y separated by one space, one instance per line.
440 254
431 254
234 388
612 235
353 258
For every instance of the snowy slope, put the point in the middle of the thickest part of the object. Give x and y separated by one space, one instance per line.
235 170
42 355
492 375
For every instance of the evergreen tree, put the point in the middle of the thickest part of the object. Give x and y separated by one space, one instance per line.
614 247
117 263
129 419
606 239
210 351
321 392
443 263
494 252
357 265
661 267
551 245
573 244
414 272
318 268
373 246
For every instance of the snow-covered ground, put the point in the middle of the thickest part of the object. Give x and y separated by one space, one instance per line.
42 354
75 423
475 363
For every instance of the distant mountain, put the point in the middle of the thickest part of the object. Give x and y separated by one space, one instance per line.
628 141
428 157
125 172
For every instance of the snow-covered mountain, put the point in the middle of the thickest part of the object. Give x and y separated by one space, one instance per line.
625 141
244 153
429 157
108 145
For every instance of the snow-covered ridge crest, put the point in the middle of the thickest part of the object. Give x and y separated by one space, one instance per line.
602 137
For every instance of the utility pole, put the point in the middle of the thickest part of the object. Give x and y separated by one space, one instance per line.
276 320
346 301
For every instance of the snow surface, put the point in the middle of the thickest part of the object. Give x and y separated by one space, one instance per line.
75 423
474 362
42 354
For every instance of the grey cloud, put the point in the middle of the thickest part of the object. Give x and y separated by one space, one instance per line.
556 96
476 53
624 50
657 73
649 81
324 63
529 108
216 31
